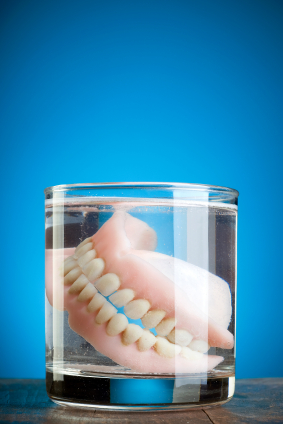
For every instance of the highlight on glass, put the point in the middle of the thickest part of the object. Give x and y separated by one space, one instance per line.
140 295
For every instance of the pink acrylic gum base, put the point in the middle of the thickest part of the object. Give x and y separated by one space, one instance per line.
113 245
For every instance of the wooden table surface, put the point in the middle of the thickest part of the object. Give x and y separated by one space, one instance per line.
255 401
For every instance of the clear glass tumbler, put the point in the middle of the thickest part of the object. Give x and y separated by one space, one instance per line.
140 295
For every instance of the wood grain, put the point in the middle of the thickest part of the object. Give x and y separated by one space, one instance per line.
255 401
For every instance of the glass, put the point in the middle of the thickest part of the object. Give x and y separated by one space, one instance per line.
140 295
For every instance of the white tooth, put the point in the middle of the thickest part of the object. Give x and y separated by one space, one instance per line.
72 276
96 303
137 308
165 348
122 297
165 326
180 337
132 333
94 269
199 346
87 240
82 250
116 325
106 312
78 285
108 284
87 293
146 341
192 355
153 318
86 258
71 264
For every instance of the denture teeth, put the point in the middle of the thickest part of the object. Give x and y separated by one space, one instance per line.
87 240
122 297
94 269
146 341
192 355
87 293
137 308
87 257
165 326
107 284
78 285
106 312
180 337
153 318
69 264
132 333
72 276
84 249
96 303
199 346
164 348
116 325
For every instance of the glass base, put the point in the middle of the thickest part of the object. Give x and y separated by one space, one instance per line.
147 394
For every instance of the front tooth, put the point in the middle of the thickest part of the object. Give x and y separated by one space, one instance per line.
72 276
192 355
68 266
87 240
82 250
122 297
87 293
96 303
94 269
165 327
146 341
106 312
108 284
87 257
132 333
180 337
78 285
199 346
165 348
153 318
137 308
116 325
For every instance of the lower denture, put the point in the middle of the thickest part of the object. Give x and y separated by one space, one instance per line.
113 260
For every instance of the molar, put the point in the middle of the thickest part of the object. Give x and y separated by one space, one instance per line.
78 285
137 308
72 276
146 341
180 337
86 258
82 250
117 324
165 327
199 346
96 303
107 284
132 333
87 293
164 348
122 297
153 318
106 313
94 269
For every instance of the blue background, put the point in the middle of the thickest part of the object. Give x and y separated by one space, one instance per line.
185 91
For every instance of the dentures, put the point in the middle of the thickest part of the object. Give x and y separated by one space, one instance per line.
188 307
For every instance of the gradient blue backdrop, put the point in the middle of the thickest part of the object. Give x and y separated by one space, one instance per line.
185 91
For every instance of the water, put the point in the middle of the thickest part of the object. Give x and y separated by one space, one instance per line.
200 233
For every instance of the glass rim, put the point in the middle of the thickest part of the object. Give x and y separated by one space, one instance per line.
143 185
